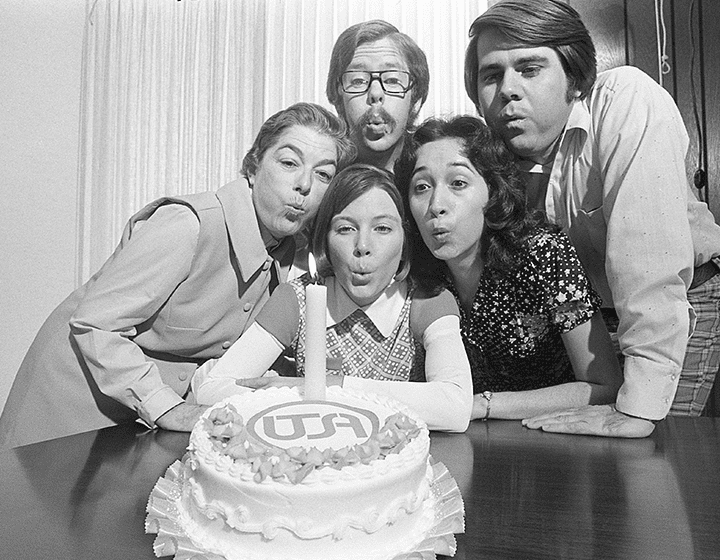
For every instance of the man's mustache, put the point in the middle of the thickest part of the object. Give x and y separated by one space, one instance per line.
373 115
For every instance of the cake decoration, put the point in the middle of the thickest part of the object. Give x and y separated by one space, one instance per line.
284 485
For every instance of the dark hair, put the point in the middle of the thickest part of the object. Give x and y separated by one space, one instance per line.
508 223
369 32
309 115
349 185
538 23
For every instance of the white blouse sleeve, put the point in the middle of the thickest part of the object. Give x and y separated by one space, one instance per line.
445 400
250 356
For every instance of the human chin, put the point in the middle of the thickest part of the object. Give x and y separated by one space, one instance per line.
363 289
522 144
286 225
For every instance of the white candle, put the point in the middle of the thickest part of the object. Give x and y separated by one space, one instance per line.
315 325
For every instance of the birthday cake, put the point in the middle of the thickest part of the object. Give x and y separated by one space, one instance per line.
271 476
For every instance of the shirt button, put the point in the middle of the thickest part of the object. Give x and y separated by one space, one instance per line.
182 376
673 377
666 400
247 307
227 344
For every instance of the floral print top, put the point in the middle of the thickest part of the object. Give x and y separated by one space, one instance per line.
512 335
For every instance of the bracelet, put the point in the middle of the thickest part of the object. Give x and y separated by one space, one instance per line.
636 417
487 395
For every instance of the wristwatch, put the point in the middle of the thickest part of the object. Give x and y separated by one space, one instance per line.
487 395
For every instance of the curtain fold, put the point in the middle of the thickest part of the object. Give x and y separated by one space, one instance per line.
174 91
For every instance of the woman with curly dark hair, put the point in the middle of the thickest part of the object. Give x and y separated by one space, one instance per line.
529 316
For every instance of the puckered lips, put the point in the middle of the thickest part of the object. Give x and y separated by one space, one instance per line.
295 212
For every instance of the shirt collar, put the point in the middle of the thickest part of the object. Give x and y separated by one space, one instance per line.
383 312
244 231
579 117
578 120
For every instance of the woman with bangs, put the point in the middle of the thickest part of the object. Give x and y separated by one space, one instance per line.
381 327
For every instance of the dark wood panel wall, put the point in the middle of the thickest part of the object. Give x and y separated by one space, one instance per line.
626 32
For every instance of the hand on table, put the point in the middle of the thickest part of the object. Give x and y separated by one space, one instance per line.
280 381
594 420
181 418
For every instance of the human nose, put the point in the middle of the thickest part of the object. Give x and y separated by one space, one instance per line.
510 88
376 93
304 181
362 244
438 203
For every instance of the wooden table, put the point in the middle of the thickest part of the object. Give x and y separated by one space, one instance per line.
528 494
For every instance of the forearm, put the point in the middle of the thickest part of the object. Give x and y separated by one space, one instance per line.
444 401
250 356
515 405
130 289
649 249
440 404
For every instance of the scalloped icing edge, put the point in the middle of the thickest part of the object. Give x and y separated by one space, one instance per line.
164 520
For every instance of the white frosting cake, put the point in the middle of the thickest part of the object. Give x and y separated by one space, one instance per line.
270 476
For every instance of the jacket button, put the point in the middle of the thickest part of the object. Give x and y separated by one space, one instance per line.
266 264
227 344
247 307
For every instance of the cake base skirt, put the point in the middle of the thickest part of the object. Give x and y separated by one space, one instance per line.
163 519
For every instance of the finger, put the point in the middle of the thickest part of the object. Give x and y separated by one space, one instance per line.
564 416
253 382
582 428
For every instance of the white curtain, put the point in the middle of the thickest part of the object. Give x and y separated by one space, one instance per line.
174 91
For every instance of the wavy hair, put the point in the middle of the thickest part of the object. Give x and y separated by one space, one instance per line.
308 115
508 222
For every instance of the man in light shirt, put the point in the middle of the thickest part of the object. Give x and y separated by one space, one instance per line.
604 156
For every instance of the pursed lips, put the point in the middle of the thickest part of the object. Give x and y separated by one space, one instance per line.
295 210
439 231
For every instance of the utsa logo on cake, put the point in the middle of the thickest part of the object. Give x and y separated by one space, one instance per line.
320 424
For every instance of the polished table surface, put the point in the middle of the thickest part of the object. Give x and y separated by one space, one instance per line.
527 494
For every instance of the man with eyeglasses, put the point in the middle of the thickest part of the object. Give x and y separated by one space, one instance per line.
378 81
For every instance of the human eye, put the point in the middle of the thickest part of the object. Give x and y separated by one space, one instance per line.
393 78
355 80
384 228
489 77
459 183
420 187
530 70
343 228
287 159
325 176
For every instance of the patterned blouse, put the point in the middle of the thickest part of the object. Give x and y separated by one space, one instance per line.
386 341
512 336
356 347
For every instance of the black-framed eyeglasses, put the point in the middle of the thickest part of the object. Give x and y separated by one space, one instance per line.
392 81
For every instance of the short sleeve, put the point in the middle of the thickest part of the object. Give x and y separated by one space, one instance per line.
280 316
425 310
569 297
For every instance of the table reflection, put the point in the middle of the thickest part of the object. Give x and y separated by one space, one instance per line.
527 494
571 497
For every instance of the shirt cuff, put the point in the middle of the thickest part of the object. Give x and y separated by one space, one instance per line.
157 404
649 388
